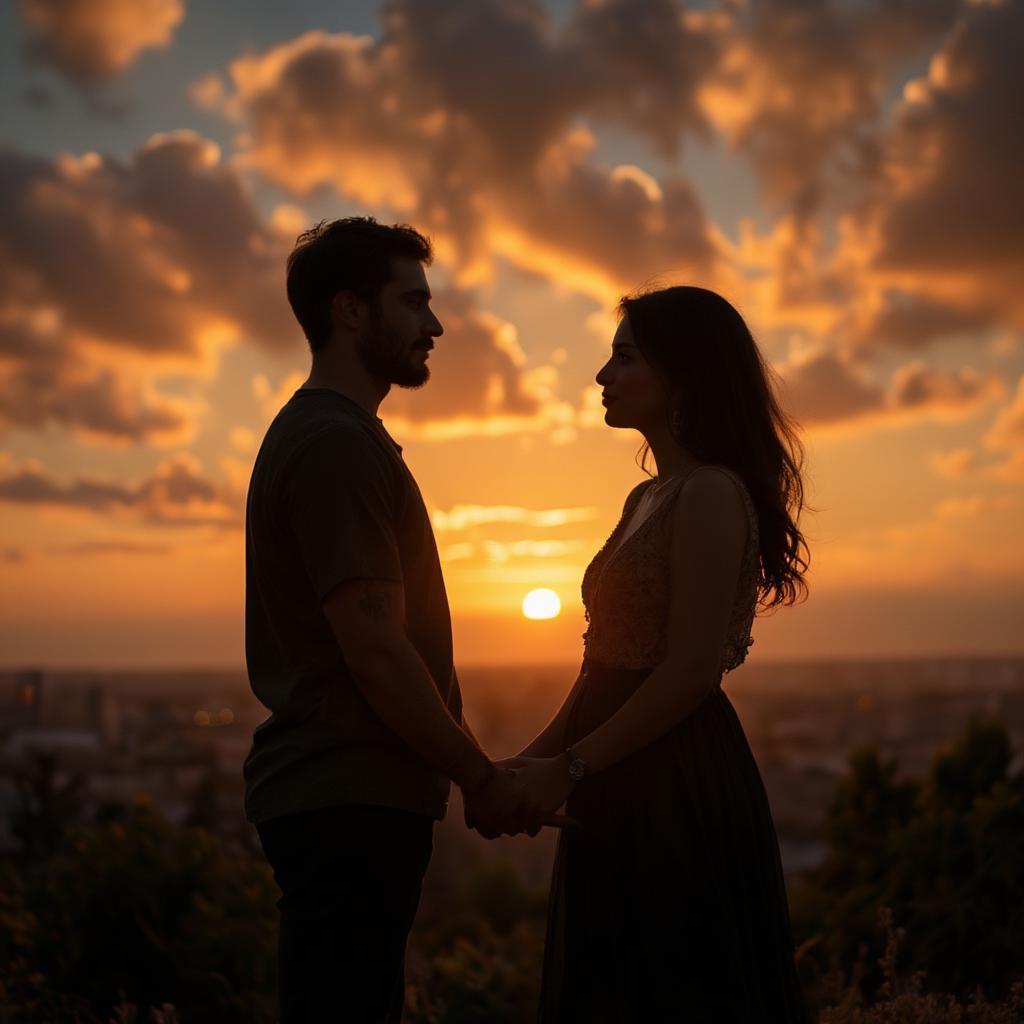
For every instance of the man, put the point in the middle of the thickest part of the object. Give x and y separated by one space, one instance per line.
348 638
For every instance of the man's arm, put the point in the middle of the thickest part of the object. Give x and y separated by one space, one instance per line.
469 732
368 620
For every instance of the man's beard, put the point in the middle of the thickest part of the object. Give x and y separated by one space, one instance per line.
385 355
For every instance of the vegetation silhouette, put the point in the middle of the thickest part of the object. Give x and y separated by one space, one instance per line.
944 854
916 913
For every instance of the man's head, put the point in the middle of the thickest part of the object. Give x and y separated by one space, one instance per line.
357 282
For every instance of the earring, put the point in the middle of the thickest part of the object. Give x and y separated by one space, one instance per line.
677 424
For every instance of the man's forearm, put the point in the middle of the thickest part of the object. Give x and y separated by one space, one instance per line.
399 688
469 732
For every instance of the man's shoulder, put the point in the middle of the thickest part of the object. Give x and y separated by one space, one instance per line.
300 427
342 444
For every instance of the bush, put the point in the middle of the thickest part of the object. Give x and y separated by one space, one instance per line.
138 911
944 854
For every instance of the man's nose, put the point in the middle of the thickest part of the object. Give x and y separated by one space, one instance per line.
435 330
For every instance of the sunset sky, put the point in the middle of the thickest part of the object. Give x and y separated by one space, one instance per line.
847 173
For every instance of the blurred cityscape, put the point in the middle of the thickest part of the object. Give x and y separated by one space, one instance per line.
179 738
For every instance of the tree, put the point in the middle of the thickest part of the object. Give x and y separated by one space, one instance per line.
946 855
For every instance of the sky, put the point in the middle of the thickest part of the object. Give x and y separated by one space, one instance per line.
847 173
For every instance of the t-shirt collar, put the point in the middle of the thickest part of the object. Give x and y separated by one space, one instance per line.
362 413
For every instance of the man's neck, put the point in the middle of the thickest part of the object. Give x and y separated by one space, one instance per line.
352 382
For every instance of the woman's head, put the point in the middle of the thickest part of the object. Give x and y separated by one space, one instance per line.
685 358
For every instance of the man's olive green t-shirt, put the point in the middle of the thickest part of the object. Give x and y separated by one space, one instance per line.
331 499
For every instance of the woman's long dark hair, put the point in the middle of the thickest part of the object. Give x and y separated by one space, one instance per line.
723 410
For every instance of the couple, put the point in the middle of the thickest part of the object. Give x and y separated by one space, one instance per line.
667 899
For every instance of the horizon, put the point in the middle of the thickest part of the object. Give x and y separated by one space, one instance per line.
547 666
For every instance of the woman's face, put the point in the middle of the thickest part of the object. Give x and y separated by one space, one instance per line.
631 391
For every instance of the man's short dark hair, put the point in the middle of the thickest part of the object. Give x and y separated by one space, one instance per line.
354 253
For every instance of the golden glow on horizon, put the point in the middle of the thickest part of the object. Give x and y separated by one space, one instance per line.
541 604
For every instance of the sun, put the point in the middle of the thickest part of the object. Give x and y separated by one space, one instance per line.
541 604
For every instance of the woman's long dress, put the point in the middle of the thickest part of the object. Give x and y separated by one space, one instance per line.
670 903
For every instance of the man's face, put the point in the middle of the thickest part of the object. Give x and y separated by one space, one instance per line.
400 335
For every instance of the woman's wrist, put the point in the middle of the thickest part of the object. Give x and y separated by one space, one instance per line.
481 779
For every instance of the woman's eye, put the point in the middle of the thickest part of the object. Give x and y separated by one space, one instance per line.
622 357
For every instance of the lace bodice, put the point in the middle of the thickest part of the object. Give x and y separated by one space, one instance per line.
626 587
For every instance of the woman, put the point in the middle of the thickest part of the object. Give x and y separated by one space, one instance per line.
669 904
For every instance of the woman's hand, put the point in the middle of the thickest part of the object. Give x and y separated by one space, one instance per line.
544 784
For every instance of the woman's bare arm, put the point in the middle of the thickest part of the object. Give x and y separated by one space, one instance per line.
551 741
709 529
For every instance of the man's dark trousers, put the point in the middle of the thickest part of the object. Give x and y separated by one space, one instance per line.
350 879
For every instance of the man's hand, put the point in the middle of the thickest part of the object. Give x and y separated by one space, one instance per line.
497 809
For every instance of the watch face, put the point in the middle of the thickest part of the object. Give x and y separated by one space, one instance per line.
576 769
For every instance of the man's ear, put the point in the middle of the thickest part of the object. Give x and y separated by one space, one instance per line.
348 310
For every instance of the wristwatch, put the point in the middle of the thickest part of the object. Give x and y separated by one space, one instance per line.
577 766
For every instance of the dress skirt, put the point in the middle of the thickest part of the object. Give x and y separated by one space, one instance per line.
670 903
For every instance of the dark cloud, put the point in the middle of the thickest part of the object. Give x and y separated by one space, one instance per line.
177 494
954 392
476 368
146 254
932 244
469 119
825 389
801 85
112 547
37 97
952 217
116 269
91 402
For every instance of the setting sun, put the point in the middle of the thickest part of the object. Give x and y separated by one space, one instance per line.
541 604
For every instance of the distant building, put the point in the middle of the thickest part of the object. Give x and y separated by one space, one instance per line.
21 699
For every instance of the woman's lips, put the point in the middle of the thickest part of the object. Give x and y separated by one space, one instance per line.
605 399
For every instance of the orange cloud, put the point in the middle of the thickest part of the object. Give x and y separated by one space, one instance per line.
462 517
89 40
958 542
121 272
1008 429
410 123
955 464
480 383
477 369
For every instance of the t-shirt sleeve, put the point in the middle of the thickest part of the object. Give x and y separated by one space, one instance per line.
339 504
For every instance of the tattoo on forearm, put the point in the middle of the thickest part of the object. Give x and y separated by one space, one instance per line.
374 602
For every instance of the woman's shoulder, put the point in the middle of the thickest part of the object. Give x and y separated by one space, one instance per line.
710 495
636 494
711 483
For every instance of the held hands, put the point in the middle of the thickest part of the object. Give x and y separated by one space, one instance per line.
521 797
